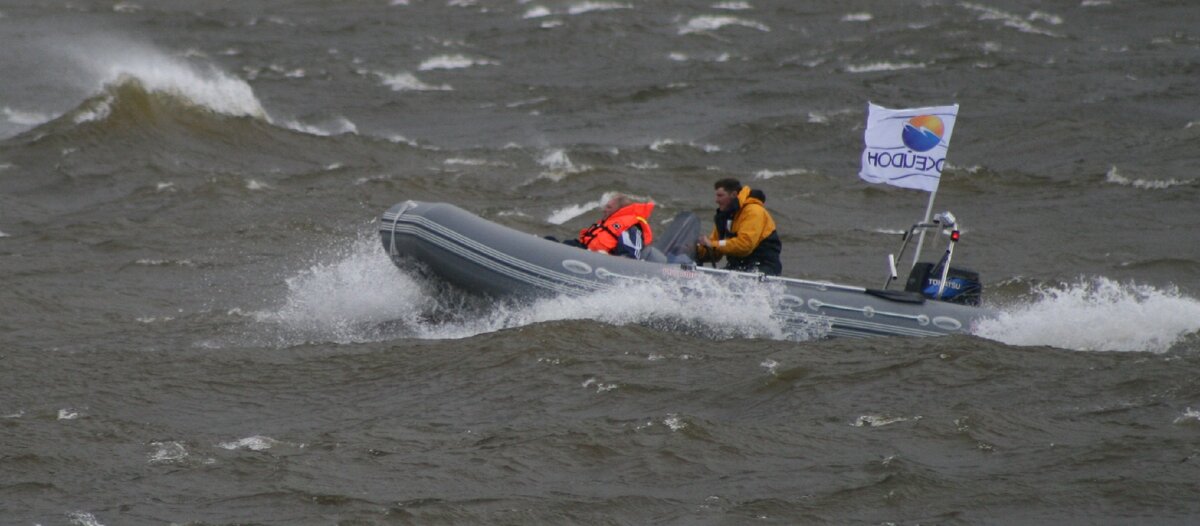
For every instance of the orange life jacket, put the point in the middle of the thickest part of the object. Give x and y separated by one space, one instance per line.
605 235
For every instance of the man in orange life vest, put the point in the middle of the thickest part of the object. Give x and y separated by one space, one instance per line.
744 232
623 231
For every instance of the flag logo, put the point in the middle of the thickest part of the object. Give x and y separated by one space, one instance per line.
922 133
907 147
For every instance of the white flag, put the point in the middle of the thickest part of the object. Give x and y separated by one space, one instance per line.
907 148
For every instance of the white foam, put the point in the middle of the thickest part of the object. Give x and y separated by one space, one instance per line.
25 118
1097 315
361 296
733 6
83 518
879 420
705 23
771 174
857 17
113 60
2 234
454 62
567 213
344 300
587 7
67 414
253 443
701 307
167 452
405 81
537 12
883 66
1190 417
1114 176
337 126
600 387
97 110
1013 21
674 422
558 165
661 145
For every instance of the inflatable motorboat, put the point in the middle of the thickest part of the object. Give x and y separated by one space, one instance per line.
487 258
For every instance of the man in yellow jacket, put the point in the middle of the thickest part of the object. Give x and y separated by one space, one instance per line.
743 231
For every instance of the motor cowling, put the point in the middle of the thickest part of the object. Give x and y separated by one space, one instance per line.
963 286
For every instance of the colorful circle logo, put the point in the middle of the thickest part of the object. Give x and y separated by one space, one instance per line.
922 133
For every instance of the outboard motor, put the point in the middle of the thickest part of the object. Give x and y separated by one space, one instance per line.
939 281
962 286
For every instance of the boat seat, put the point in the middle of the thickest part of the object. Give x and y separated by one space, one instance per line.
654 255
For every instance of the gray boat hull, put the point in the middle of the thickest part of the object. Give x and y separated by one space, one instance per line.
484 257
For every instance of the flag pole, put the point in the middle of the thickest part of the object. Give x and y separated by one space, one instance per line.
921 237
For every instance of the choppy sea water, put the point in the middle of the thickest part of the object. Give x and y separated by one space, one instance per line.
198 325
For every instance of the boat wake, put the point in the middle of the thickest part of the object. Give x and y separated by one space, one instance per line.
363 297
360 296
1098 315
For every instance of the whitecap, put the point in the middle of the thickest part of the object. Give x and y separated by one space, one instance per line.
1190 416
1008 19
857 17
567 213
97 110
883 66
733 6
400 139
115 60
771 174
599 386
253 443
252 184
879 420
559 165
25 118
405 81
661 145
537 12
166 452
674 422
83 518
67 414
454 62
1114 177
587 7
713 23
770 365
465 162
338 126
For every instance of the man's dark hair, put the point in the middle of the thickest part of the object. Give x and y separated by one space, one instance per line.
730 185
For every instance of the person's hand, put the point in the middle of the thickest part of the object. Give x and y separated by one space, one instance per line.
705 242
